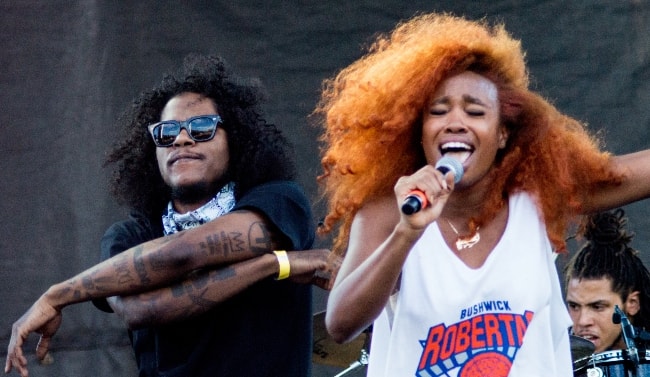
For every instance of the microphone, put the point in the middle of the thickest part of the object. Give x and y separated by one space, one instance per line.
628 334
416 200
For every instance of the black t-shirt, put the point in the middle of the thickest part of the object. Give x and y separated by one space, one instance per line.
263 331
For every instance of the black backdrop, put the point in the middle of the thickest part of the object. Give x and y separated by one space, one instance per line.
68 68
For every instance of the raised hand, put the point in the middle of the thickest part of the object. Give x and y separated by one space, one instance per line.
435 186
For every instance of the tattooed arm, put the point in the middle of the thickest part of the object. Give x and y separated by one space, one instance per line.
203 290
232 238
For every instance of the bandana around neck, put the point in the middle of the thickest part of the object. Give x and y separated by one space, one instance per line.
221 204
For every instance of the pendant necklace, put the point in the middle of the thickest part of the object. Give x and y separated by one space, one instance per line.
465 242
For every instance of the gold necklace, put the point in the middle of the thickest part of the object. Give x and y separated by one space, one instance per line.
465 242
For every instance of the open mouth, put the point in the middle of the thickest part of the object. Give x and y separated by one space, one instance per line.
458 150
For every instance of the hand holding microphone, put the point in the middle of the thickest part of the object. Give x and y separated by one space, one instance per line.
416 200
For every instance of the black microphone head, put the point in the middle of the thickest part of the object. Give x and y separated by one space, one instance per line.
447 163
617 316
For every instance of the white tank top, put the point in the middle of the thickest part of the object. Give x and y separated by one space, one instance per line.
506 318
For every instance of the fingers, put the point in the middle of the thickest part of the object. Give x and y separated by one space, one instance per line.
435 189
16 360
309 266
8 364
427 180
308 261
322 282
42 347
39 318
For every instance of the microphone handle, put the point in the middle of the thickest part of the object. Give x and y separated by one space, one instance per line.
414 202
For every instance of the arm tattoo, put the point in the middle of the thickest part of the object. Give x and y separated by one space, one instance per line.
259 238
138 263
212 246
220 244
223 274
259 241
162 259
90 287
237 244
199 280
223 244
123 273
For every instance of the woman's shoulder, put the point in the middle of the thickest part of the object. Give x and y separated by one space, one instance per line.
378 212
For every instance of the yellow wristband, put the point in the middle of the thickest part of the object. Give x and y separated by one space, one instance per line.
285 266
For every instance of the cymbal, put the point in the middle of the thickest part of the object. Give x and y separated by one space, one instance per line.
580 347
328 352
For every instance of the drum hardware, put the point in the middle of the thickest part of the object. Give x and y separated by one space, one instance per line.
612 364
628 336
363 358
594 371
362 362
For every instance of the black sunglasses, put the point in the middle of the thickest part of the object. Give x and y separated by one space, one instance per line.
200 128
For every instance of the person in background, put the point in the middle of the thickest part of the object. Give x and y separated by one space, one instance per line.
467 285
607 272
207 271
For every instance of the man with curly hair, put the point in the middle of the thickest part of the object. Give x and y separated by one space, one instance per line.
467 285
607 272
197 271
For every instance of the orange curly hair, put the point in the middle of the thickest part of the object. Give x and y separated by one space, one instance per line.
372 112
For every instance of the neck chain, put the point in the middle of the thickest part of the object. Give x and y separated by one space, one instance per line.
466 242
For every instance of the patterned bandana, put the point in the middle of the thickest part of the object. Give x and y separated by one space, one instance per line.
221 204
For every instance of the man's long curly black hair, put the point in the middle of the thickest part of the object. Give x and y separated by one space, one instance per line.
258 151
607 254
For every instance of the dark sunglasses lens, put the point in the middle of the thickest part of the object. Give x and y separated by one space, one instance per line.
165 133
202 129
199 129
